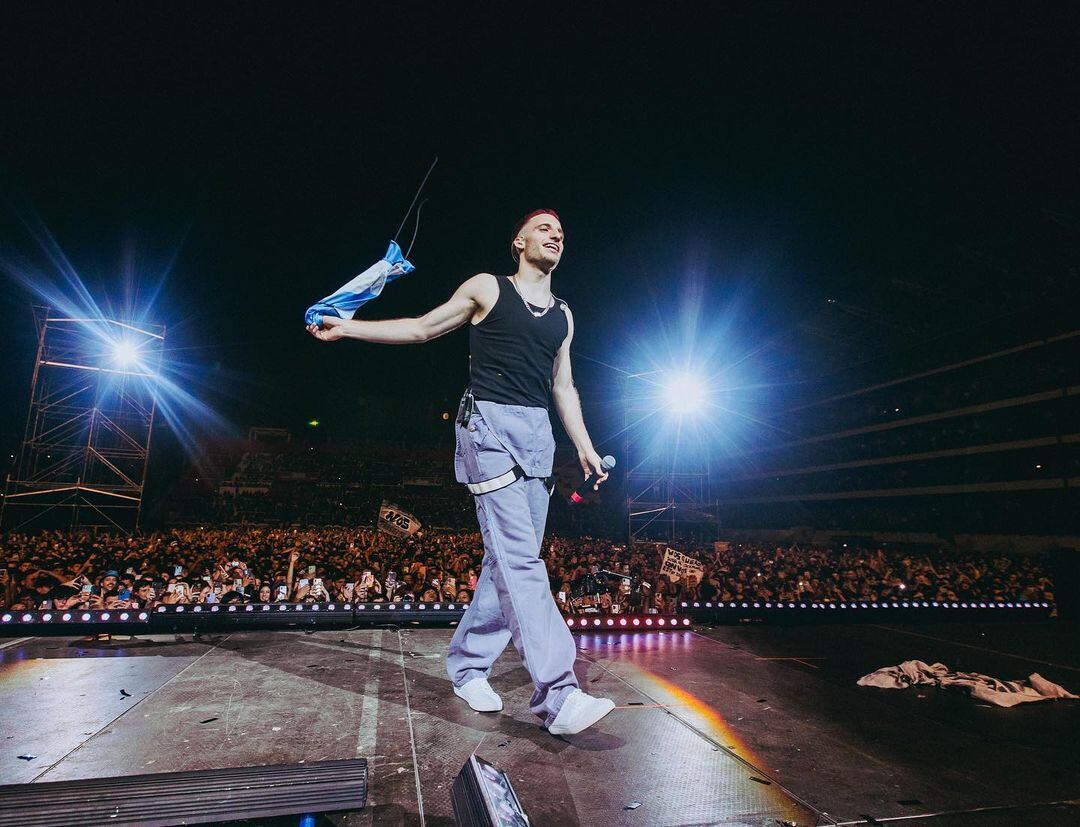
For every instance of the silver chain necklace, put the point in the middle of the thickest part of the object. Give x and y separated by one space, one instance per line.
529 307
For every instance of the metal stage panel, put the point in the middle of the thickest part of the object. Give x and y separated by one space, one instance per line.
638 753
704 722
58 694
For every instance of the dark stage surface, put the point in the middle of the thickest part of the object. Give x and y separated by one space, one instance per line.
735 725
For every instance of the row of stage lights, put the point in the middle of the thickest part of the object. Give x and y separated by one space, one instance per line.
578 622
451 611
902 604
211 608
627 621
75 617
113 616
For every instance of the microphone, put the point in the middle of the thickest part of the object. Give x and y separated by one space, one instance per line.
606 464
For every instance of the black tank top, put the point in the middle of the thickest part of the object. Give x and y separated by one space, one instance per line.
512 352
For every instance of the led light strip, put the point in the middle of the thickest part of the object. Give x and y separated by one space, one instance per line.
77 616
859 604
202 608
358 611
627 622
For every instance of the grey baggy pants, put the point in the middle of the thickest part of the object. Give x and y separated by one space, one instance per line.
512 600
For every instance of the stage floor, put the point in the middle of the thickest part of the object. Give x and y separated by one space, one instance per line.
738 725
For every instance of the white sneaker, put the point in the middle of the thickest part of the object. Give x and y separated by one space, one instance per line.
479 695
579 711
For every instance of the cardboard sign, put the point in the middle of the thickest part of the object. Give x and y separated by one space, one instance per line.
677 565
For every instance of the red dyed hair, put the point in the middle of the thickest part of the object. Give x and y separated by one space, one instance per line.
517 228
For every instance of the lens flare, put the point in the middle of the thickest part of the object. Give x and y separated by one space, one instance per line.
125 353
685 394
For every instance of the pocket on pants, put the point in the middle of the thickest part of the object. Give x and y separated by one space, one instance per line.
480 431
479 453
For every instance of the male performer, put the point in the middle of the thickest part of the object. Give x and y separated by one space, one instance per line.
519 343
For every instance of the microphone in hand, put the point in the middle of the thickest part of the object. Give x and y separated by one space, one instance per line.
606 464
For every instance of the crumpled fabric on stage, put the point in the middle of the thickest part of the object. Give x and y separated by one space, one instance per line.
361 289
982 687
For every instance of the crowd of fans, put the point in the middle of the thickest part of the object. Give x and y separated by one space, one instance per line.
63 570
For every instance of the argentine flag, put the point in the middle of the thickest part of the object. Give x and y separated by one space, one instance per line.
361 289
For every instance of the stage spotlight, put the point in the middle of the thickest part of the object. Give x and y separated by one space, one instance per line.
125 353
685 394
483 796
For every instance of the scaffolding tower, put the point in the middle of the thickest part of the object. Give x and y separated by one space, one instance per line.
84 455
668 489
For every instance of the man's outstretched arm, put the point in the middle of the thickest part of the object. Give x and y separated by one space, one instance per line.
568 404
450 315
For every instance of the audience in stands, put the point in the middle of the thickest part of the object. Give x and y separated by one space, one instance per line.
78 569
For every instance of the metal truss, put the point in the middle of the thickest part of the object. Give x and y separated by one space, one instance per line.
83 458
667 496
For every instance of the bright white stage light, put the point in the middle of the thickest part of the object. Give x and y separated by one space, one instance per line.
125 353
685 394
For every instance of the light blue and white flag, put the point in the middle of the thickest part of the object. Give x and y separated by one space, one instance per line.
361 289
